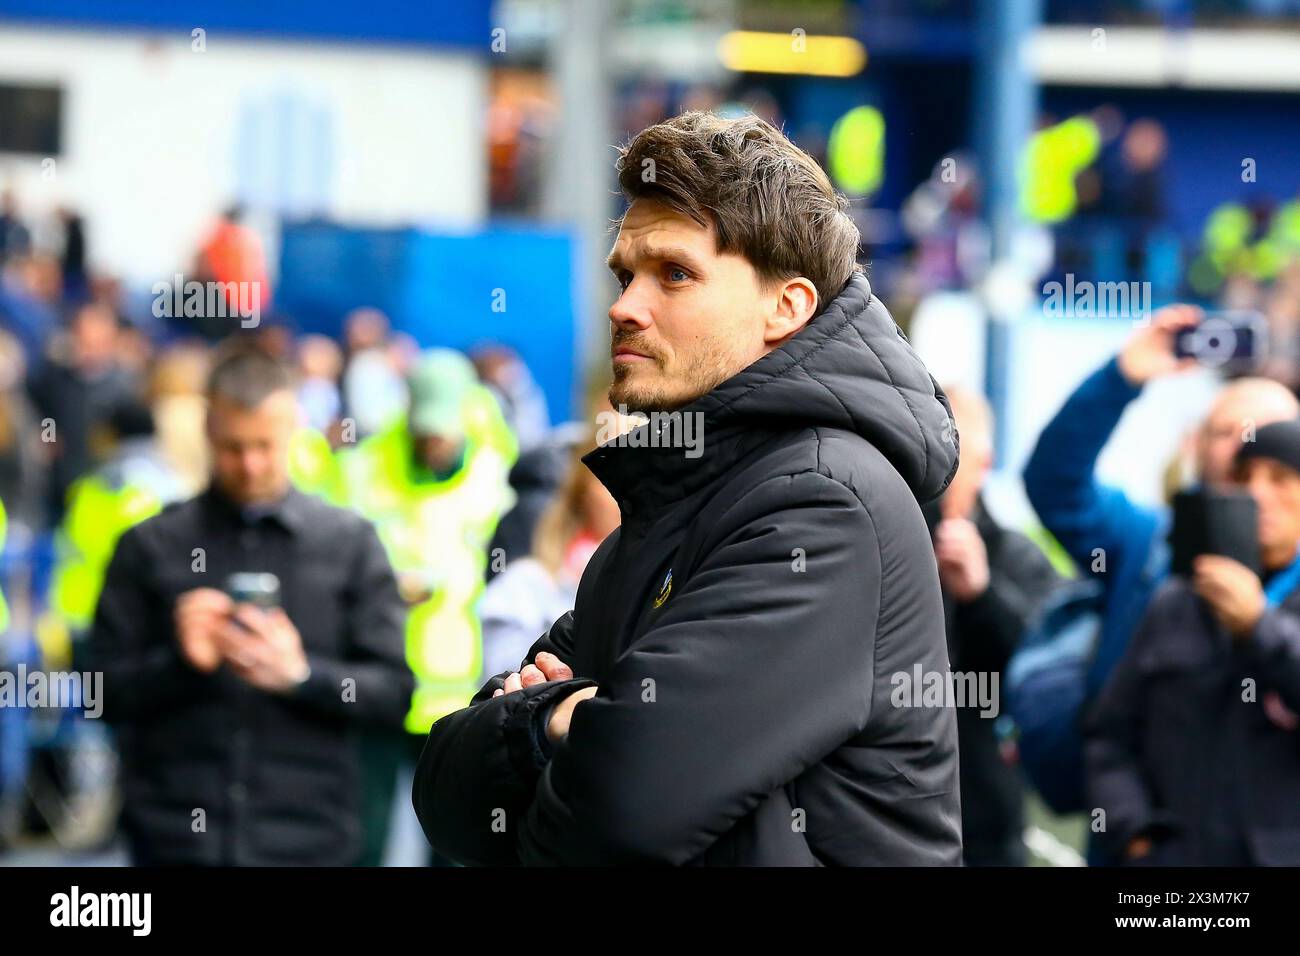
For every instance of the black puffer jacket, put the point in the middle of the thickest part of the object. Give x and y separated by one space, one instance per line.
743 626
1180 753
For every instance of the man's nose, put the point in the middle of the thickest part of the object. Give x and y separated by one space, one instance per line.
630 310
1258 487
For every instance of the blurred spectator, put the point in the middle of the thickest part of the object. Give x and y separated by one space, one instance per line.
942 217
522 401
320 364
1192 745
76 281
1140 192
73 392
21 461
1054 158
1115 542
532 593
993 581
15 237
231 254
535 479
133 483
434 483
235 708
374 394
180 412
29 290
520 118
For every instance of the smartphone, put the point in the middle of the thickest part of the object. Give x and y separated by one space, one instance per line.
259 588
1214 522
1233 338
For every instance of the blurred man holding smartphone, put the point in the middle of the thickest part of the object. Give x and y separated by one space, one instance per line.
1191 748
245 637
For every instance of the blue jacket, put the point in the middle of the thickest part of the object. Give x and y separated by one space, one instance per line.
1085 515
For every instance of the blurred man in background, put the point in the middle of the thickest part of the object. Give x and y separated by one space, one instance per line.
373 391
15 237
1193 745
993 580
522 401
435 484
75 391
1114 541
133 483
239 723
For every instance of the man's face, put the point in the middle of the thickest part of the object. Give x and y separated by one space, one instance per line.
688 318
250 447
94 335
976 459
438 453
1226 426
1276 490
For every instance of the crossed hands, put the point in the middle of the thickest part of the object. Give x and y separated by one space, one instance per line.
548 667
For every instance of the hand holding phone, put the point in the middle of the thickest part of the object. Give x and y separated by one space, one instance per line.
260 589
199 616
1236 339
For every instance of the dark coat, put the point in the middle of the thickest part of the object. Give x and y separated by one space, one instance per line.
742 626
277 776
1176 754
982 635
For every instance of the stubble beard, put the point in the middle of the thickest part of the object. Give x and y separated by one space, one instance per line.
704 371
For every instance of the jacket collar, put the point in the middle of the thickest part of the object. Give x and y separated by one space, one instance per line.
289 512
671 456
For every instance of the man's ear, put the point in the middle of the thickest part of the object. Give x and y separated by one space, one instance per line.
794 304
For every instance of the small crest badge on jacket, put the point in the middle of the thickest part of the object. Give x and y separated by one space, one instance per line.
665 589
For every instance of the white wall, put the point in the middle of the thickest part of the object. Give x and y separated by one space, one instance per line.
158 138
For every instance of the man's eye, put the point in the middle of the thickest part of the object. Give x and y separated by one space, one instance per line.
677 275
624 280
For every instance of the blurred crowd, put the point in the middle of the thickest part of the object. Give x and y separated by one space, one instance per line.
103 424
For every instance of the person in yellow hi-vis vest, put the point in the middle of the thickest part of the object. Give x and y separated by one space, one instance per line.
1053 159
135 482
434 483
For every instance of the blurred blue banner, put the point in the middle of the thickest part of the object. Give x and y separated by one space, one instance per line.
512 286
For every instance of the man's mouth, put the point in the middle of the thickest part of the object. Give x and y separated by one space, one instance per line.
624 354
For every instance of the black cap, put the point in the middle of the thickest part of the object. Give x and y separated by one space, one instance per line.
1279 441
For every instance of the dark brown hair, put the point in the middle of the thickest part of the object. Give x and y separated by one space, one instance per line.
767 199
246 377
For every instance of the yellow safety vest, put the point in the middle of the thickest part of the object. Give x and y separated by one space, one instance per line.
1053 159
440 532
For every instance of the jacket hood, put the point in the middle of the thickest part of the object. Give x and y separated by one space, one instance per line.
849 368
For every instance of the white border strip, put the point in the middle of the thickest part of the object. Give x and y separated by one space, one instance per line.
1152 57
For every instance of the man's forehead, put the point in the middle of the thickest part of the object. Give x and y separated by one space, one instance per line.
652 228
282 403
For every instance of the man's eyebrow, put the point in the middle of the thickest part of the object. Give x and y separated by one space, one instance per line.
678 254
